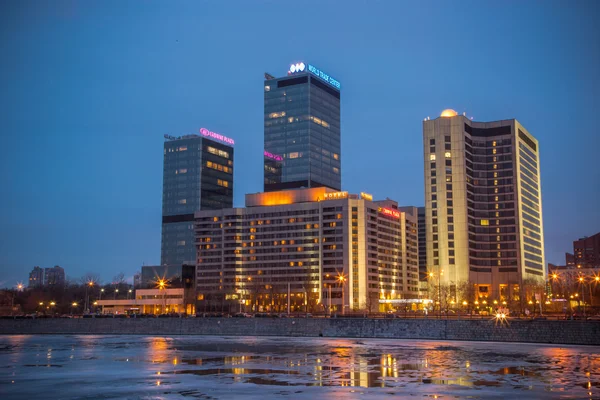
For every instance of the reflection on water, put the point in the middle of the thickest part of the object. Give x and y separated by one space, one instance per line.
173 365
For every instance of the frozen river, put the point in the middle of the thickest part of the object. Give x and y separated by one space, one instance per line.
204 367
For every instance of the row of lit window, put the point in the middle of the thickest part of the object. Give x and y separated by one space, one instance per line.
222 183
446 154
218 167
217 152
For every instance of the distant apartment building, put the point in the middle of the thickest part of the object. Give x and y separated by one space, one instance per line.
586 252
36 277
197 175
325 247
54 276
483 204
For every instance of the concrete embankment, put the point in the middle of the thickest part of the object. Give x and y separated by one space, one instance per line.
536 331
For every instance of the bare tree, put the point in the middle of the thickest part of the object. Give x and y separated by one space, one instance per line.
119 279
90 277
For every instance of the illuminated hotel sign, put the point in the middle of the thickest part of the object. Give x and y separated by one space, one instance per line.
213 135
366 196
322 75
391 213
335 195
301 67
273 156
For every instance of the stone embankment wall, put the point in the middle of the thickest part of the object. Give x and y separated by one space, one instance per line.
556 332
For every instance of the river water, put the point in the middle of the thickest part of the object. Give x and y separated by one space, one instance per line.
205 367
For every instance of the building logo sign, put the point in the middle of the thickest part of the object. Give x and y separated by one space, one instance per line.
366 196
322 75
273 156
298 67
335 195
390 213
213 135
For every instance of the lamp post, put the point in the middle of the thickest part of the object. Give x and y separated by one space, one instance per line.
89 285
116 293
342 279
101 291
582 282
129 294
161 287
74 306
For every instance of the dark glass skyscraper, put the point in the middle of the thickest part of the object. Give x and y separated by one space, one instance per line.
197 175
302 130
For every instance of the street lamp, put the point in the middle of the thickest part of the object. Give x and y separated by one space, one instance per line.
129 293
342 279
116 293
101 291
89 285
74 306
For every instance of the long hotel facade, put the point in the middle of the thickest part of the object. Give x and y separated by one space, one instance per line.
483 205
317 247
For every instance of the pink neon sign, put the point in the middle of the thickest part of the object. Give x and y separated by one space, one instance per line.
213 135
273 156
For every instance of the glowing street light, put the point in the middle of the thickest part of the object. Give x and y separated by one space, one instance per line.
342 279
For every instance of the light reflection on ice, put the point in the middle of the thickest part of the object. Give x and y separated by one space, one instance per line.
262 367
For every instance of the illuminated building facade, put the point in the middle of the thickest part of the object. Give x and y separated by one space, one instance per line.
483 204
302 130
327 246
197 175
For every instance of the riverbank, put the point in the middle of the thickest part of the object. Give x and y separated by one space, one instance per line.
527 331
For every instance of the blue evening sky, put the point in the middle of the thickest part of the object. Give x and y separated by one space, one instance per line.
89 88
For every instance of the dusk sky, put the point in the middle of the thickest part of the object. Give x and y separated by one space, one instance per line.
88 89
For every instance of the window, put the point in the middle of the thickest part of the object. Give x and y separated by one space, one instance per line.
451 244
450 228
434 213
451 253
181 243
484 222
447 154
447 146
450 211
434 221
448 163
451 260
182 201
434 188
222 183
448 195
336 156
294 155
182 148
435 238
449 203
277 114
448 186
451 236
447 138
433 181
431 142
433 197
181 171
217 152
432 149
449 178
450 220
432 158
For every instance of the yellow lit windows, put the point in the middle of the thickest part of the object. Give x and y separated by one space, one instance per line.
495 190
291 263
447 154
496 198
494 143
495 182
182 148
495 166
181 243
181 171
495 159
497 238
432 157
290 120
182 201
217 152
493 151
495 174
277 114
485 222
497 230
294 155
497 214
336 170
219 167
223 183
496 206
336 156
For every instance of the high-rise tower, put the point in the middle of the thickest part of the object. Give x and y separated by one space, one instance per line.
302 130
197 175
483 204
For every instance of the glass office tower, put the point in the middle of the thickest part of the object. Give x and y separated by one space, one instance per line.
302 130
197 175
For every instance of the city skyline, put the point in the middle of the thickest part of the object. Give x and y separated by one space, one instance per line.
89 196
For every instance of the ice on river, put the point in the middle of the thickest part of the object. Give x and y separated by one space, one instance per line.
205 367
